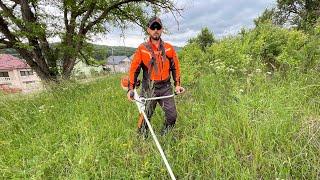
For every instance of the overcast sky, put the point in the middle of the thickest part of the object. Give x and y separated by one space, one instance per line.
222 17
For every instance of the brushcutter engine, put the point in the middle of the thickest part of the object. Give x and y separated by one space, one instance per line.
125 83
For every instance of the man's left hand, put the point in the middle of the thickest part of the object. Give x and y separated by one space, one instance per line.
179 90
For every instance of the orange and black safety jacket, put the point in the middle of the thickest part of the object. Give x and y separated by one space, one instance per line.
156 63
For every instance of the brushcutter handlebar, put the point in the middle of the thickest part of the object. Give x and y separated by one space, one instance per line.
142 100
132 94
160 97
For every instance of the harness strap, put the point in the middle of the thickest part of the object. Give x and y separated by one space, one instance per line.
148 92
163 50
153 63
153 57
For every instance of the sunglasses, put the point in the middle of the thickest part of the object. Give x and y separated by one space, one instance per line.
155 26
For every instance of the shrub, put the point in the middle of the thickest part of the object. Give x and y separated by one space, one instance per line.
192 62
266 47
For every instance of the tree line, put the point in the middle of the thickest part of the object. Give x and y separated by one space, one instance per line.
99 52
27 26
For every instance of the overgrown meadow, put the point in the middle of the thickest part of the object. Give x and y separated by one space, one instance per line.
251 110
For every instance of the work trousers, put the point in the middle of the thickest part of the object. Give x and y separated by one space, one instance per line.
167 104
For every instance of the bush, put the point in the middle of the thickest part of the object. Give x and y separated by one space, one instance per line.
227 55
267 47
192 62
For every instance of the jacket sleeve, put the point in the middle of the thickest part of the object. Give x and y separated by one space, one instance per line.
135 68
175 68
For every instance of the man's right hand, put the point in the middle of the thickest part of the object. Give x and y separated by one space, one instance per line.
130 95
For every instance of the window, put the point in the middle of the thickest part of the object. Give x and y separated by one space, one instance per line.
5 84
26 73
29 82
4 74
23 73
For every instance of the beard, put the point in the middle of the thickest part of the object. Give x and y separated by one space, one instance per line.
156 37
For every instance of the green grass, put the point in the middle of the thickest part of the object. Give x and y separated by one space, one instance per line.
229 127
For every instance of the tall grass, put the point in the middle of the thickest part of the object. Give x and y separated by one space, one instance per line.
229 126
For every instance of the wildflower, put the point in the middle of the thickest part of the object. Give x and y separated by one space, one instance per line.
41 108
244 70
230 70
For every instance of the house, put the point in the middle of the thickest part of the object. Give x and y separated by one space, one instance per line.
117 64
131 57
16 75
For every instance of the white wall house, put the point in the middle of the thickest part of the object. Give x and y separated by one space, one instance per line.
16 74
117 64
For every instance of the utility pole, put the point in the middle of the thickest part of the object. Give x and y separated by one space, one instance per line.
114 66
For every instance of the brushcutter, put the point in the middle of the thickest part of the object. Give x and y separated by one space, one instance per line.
141 104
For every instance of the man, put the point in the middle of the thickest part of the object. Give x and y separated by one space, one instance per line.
158 60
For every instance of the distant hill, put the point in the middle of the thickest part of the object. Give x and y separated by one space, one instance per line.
177 48
100 52
10 51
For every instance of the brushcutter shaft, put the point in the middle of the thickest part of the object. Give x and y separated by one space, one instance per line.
141 102
159 147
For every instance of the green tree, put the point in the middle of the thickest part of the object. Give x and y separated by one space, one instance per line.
266 17
205 38
27 26
302 14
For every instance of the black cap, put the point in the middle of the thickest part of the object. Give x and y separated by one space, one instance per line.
153 20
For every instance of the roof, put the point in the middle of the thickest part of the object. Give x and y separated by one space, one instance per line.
114 60
9 62
131 57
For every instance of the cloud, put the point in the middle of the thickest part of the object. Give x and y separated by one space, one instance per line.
131 37
223 17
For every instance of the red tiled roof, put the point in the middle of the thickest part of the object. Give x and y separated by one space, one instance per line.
9 62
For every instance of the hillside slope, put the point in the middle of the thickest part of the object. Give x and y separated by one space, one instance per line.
228 127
